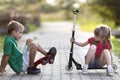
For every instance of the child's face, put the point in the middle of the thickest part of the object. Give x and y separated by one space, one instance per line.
98 38
18 33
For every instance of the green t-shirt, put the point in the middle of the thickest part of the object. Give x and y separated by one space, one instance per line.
15 56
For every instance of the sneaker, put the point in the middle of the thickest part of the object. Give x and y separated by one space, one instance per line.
33 70
110 71
52 52
84 70
37 69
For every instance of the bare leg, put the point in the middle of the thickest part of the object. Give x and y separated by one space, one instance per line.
38 47
107 56
89 58
101 60
33 47
90 54
32 55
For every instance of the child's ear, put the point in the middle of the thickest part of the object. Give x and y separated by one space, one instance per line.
13 32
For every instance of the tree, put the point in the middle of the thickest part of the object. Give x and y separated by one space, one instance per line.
108 9
67 5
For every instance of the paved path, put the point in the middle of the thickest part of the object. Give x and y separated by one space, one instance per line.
58 34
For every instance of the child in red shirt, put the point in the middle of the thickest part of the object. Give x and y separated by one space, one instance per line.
99 52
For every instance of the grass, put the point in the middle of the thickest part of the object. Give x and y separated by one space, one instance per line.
88 24
1 43
116 46
32 27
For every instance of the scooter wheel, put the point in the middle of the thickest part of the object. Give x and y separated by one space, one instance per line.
78 67
68 68
114 67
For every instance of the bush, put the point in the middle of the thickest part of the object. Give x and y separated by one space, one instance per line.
32 27
6 17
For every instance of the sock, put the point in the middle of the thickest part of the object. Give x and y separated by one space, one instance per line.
86 65
109 66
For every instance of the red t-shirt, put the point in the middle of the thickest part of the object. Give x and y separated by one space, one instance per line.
100 46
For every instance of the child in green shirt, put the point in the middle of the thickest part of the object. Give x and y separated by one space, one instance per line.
20 61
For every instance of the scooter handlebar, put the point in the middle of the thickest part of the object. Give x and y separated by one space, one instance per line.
75 11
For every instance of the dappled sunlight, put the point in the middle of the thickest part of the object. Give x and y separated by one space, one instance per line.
83 1
50 1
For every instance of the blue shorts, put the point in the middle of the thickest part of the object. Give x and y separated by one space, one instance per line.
94 64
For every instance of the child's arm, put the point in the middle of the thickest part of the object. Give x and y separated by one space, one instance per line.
79 43
4 62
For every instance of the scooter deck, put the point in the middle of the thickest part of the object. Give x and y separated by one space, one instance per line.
93 68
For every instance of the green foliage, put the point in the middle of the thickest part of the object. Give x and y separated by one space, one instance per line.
116 46
67 5
88 21
58 16
25 6
1 43
108 9
88 26
46 8
31 27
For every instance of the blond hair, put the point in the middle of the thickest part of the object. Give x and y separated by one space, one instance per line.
13 25
104 32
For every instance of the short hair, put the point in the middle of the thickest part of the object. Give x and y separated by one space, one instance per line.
13 25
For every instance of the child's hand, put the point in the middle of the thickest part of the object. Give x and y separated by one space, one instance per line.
72 40
1 73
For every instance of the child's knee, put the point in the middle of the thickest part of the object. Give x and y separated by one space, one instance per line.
29 40
106 51
32 46
93 47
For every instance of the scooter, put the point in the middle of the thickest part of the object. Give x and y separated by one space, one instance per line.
69 67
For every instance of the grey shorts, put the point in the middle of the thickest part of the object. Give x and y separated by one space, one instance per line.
25 58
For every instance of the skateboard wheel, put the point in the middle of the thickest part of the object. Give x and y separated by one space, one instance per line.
51 61
68 68
44 62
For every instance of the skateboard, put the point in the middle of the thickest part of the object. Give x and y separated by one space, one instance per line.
49 58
